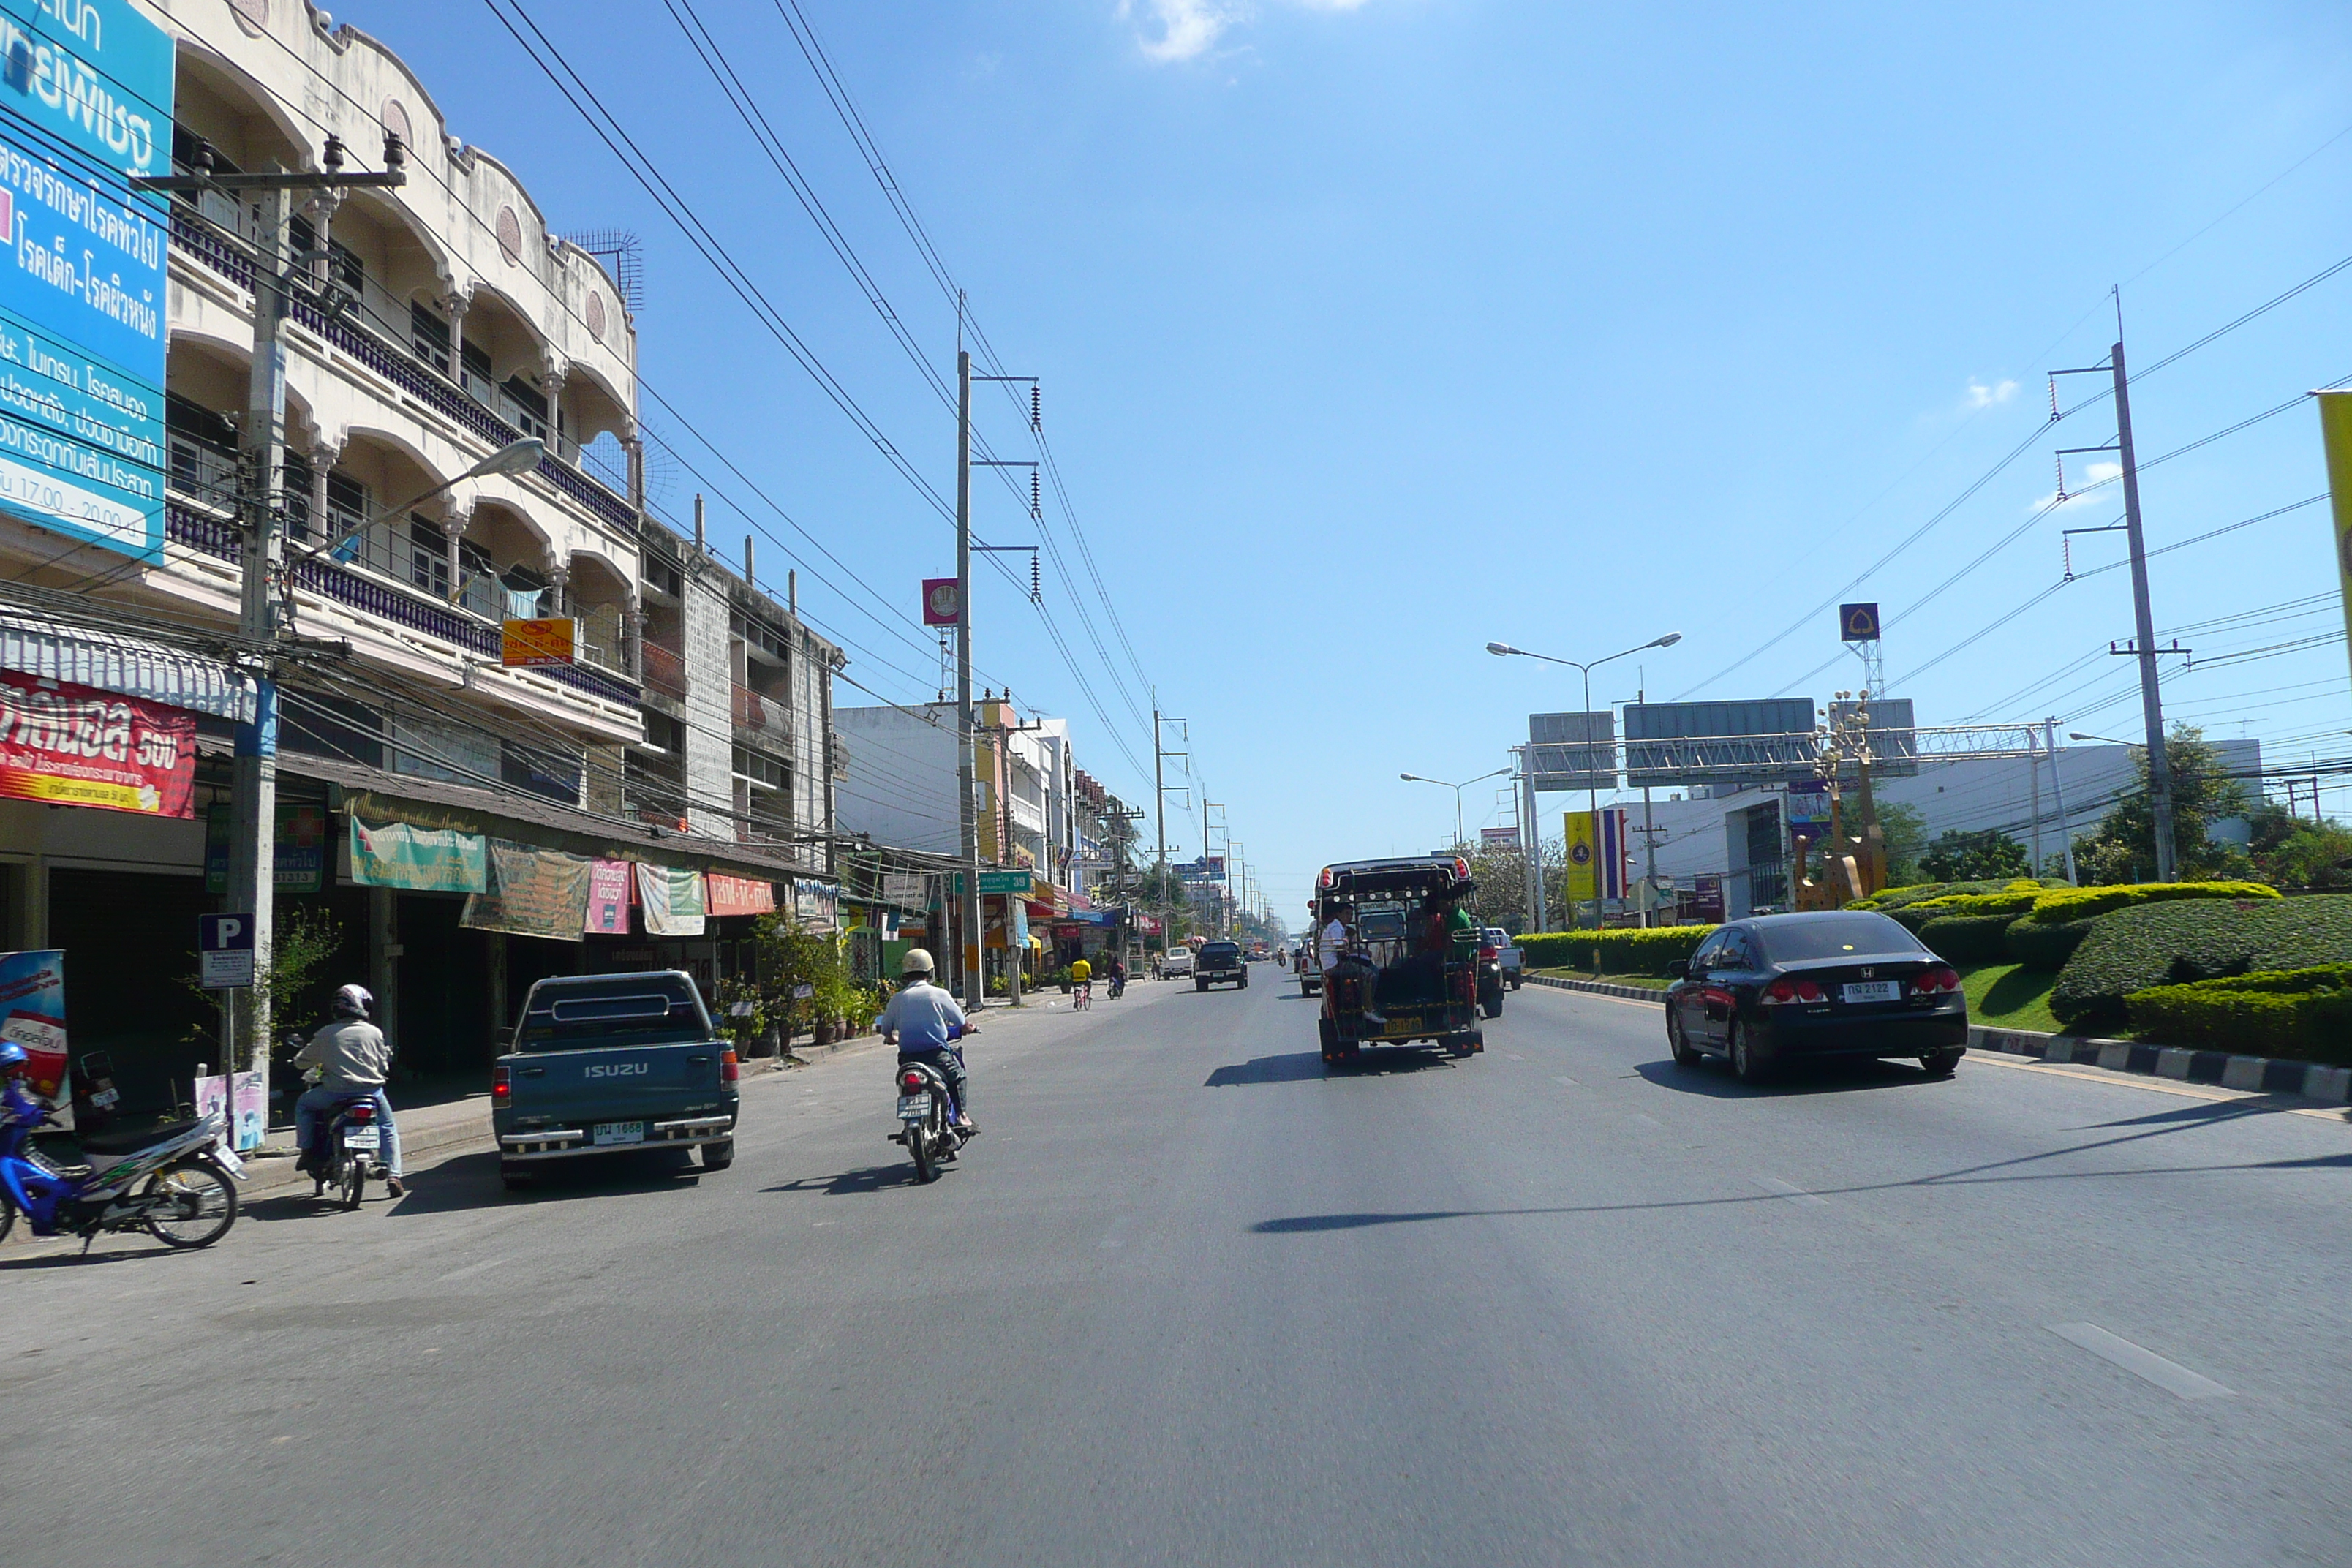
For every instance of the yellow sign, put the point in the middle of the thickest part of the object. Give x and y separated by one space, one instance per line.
2336 436
1582 860
528 645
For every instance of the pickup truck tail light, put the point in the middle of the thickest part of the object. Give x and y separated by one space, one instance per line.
729 1069
1935 980
1785 990
502 1086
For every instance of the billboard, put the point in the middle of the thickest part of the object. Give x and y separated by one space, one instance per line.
88 89
1572 750
1499 837
1682 743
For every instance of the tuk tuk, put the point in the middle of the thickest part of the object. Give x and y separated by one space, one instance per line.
1404 976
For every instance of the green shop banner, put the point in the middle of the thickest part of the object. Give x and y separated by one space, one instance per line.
670 898
422 859
532 893
302 848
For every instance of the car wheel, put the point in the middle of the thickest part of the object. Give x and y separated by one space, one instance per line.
1943 1063
1200 985
513 1175
1746 1060
1686 1055
719 1156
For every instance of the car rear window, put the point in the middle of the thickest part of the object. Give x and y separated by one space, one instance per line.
1220 953
624 1010
1834 936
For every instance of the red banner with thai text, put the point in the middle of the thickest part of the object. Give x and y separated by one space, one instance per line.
74 745
739 895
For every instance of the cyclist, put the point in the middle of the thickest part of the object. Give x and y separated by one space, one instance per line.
1082 982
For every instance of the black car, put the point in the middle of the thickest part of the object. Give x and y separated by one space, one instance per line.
1219 963
1772 989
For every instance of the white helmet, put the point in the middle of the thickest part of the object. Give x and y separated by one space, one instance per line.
354 1001
917 961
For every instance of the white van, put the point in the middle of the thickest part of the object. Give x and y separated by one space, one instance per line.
1176 961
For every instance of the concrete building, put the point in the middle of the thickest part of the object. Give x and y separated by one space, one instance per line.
434 324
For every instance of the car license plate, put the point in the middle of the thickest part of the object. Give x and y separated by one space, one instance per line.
618 1132
914 1108
363 1138
1875 991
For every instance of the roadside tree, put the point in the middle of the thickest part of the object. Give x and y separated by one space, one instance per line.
2123 846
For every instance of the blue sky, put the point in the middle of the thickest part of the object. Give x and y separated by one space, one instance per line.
1371 331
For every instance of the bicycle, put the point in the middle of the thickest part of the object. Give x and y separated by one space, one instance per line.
1083 998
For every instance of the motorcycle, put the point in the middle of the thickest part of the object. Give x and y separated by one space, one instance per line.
1118 986
353 1146
927 1114
184 1175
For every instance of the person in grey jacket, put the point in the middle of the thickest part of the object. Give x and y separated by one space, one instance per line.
352 1057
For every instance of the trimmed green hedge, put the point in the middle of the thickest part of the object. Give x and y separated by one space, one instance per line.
2040 946
2300 1012
1965 939
2067 904
2011 902
1623 950
2168 943
1889 900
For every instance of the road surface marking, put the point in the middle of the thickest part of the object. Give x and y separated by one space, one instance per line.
1649 1121
1563 1077
2153 1084
1780 1188
472 1269
1515 1056
2168 1375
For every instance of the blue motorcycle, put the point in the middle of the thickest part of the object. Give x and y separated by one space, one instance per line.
927 1111
178 1181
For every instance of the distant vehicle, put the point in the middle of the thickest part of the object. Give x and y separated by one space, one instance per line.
1176 962
1219 963
1773 989
605 1063
1509 954
1491 942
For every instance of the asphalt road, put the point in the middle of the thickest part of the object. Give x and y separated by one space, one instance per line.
1191 1302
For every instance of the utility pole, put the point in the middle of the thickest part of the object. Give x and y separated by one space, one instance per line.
2160 767
2143 646
2057 789
975 985
261 450
1160 754
1530 836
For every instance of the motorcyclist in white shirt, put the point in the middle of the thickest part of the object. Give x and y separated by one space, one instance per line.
352 1057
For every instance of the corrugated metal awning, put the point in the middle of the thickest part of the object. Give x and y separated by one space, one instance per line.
131 665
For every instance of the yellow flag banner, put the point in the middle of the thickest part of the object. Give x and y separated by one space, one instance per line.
2336 436
1582 857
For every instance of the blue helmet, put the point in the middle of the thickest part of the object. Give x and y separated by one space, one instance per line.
12 1057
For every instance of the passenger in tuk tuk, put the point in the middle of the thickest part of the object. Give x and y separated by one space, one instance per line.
1443 925
1342 951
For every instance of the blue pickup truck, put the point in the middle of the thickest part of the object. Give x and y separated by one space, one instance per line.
606 1063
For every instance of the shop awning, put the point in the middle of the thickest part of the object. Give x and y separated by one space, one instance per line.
131 665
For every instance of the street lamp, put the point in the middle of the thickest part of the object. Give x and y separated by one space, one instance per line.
1457 789
1591 776
2103 739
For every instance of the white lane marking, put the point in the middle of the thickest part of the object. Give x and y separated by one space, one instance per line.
472 1269
1649 1121
1781 1189
1563 1077
2155 1086
1515 1056
2168 1375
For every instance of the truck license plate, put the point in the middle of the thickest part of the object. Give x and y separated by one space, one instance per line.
608 1132
363 1138
1875 991
915 1108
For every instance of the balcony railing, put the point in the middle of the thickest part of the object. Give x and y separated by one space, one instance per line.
403 370
762 715
324 577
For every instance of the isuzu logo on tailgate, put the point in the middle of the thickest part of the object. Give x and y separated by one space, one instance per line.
618 1069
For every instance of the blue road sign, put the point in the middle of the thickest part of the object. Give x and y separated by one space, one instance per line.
224 951
86 85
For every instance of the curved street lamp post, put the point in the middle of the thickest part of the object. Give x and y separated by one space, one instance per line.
1592 774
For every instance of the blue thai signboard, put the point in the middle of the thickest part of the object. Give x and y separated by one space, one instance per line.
84 103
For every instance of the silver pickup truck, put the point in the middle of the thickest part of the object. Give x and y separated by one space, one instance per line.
606 1063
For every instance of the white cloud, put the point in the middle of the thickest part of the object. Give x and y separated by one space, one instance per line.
1169 32
2078 487
1984 397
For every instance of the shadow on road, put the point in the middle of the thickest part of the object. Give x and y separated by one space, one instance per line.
1712 1077
854 1183
1297 1067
